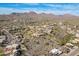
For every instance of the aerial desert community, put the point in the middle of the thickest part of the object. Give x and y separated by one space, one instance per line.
39 34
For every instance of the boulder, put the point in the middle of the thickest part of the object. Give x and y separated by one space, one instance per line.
2 38
55 52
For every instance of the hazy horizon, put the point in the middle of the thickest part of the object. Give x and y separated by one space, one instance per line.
54 8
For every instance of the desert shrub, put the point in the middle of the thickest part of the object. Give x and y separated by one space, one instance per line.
66 39
76 44
1 52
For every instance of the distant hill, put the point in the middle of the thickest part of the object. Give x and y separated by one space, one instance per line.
36 16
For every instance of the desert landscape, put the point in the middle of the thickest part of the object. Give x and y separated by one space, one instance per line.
39 34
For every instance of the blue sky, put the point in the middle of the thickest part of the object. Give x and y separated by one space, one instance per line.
58 9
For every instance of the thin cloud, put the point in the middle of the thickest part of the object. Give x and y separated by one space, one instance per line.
39 7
